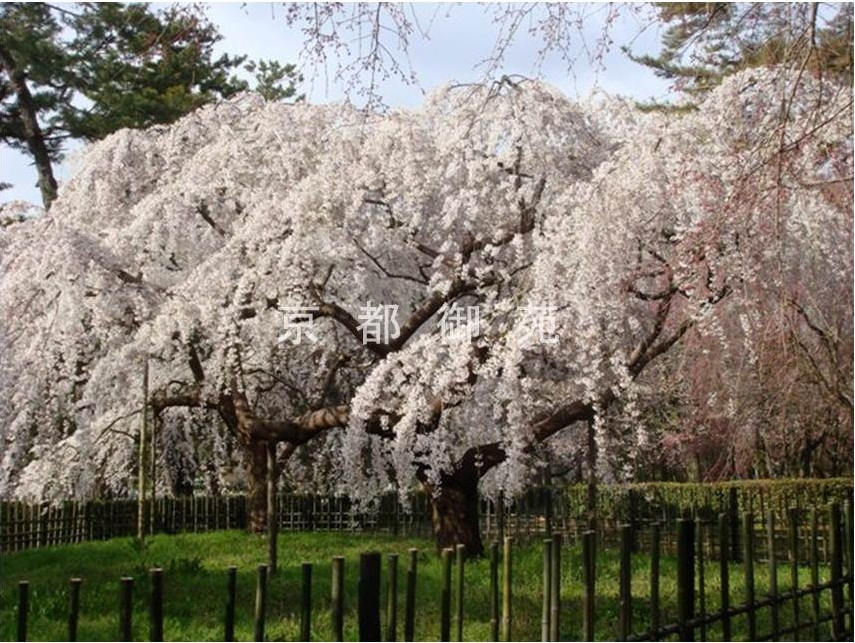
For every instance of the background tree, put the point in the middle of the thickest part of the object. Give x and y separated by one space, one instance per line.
704 42
84 71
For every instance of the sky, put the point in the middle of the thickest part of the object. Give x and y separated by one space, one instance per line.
458 39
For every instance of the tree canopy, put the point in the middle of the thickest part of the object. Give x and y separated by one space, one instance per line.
597 242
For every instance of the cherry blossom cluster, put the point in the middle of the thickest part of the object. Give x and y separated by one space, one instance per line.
182 246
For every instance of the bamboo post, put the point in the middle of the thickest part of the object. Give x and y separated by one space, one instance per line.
460 551
337 598
231 587
260 603
547 588
125 608
306 603
73 608
368 586
500 518
156 607
547 497
410 600
392 597
506 590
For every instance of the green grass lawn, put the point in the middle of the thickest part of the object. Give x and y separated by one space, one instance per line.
195 585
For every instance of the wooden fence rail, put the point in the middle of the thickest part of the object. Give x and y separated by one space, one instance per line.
787 615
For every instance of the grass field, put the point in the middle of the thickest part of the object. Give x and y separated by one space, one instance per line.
195 583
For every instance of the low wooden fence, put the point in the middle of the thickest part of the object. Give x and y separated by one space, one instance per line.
805 616
537 512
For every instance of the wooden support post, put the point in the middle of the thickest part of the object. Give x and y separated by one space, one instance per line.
589 569
793 546
701 574
260 603
392 597
74 608
126 608
748 562
141 465
655 622
814 571
835 536
272 510
368 589
686 578
306 602
494 591
155 630
625 584
460 551
773 575
445 597
410 599
725 555
849 550
152 476
337 598
23 608
231 587
733 517
507 631
555 594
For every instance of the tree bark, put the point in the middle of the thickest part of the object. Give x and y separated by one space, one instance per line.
454 508
32 131
256 452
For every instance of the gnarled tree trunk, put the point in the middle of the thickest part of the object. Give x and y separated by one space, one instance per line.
455 511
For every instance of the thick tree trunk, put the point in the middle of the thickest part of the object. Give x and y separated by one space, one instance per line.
455 512
256 452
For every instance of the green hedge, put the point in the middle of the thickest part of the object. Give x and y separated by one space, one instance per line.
653 500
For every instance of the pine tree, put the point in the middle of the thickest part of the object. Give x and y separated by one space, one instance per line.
704 42
85 71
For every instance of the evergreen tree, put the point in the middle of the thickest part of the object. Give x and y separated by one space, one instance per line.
84 71
703 42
